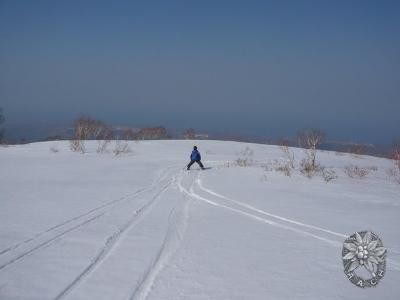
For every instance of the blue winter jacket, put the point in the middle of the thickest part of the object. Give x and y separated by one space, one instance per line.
195 155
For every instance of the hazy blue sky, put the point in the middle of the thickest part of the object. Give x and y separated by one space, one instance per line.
266 67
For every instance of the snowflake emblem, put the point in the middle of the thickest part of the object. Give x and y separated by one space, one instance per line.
364 249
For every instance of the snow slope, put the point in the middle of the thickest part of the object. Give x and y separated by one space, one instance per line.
138 226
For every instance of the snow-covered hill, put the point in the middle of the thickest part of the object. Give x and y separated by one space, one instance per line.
138 226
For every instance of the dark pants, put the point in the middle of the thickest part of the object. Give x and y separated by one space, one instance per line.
193 161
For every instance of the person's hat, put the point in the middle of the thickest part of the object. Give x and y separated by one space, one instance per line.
195 147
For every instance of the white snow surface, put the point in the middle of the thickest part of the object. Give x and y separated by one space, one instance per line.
139 226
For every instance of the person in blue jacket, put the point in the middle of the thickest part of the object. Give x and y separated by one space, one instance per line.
195 157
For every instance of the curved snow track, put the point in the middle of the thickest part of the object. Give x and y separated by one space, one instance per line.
249 211
20 250
154 194
177 223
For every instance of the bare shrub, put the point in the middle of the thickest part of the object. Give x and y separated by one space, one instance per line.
310 139
86 128
278 166
396 154
245 158
82 131
309 168
270 166
229 164
121 147
394 173
152 133
397 164
354 171
328 174
54 149
286 169
373 168
289 154
104 140
189 134
102 146
77 145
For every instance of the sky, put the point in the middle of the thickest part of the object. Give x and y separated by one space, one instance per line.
268 68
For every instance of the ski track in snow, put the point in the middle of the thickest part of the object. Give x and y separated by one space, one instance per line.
49 230
264 220
47 242
192 194
209 191
55 236
66 222
335 243
177 226
112 241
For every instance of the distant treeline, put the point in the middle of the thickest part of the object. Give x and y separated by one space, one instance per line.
86 128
